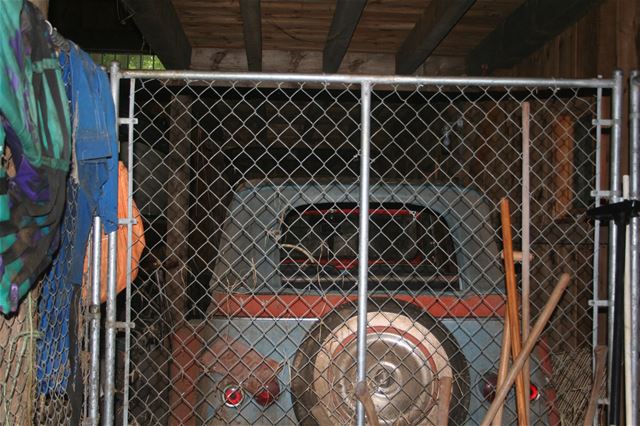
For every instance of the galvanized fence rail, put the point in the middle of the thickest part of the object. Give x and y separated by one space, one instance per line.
634 248
309 232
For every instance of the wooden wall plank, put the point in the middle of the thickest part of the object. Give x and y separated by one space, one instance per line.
438 18
345 20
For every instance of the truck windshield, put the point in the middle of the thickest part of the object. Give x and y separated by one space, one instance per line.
407 244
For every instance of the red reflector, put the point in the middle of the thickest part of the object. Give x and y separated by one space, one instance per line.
268 394
533 392
488 386
233 396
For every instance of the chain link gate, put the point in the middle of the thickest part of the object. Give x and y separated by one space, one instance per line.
247 304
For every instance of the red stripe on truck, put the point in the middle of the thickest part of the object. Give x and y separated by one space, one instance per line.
238 305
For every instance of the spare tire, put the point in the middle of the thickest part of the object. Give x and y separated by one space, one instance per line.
407 352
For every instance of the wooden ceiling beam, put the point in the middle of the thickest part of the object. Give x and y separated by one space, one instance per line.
159 24
252 29
438 18
345 20
523 32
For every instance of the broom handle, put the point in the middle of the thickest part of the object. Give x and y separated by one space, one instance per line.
512 308
548 309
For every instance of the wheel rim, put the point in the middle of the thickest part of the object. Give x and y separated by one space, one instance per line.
404 361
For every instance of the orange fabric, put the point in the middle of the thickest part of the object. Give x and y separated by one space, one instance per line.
137 237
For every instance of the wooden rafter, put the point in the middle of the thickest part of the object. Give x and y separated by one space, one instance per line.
252 29
159 24
438 18
528 28
345 20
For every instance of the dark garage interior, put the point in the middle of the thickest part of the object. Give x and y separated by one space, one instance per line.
320 212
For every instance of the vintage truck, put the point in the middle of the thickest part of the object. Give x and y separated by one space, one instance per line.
280 337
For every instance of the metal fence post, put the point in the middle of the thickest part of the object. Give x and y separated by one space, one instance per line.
94 310
110 326
130 218
634 194
596 302
615 191
363 243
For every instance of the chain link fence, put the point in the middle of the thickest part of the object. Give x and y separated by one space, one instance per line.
245 302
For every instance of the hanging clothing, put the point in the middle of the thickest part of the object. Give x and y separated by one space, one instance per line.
91 190
34 120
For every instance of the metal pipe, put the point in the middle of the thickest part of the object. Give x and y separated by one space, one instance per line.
110 329
110 333
127 336
615 299
127 359
626 358
596 235
94 312
363 243
552 83
634 236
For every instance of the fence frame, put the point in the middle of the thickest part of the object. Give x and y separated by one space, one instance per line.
365 82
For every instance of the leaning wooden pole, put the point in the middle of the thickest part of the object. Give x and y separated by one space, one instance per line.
516 368
596 387
526 223
444 400
512 309
504 363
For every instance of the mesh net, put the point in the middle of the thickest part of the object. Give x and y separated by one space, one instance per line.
249 190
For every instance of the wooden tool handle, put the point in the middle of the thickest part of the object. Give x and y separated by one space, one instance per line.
548 309
596 388
512 309
444 400
504 364
362 393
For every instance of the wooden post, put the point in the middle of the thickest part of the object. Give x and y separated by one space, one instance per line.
176 256
563 165
176 245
